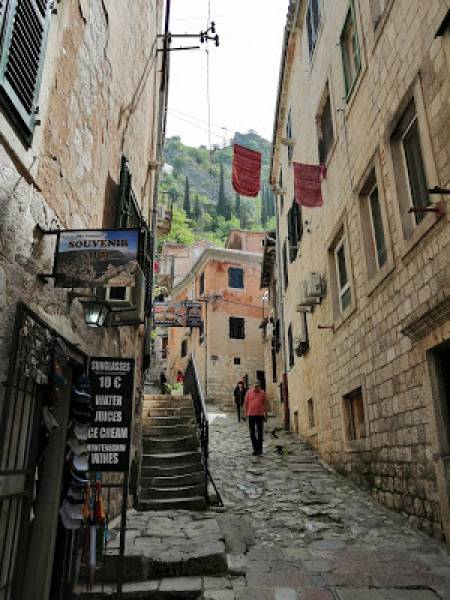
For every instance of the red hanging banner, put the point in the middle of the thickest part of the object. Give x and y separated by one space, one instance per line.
246 171
307 184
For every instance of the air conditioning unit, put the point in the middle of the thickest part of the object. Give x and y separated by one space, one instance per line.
305 300
314 286
127 304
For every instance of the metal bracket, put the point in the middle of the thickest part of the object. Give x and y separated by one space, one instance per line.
438 209
43 231
331 327
439 190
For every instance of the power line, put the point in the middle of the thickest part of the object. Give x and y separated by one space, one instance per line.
194 118
195 125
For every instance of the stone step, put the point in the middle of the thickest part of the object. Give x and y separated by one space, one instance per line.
190 478
199 557
167 493
169 471
174 401
169 411
171 459
175 443
194 503
166 397
169 430
145 590
158 421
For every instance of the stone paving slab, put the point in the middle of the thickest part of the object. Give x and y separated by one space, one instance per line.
315 534
385 594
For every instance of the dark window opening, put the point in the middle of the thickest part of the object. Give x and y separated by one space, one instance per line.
285 265
237 360
184 348
261 377
325 129
312 24
202 284
355 423
290 147
291 347
235 278
295 229
237 328
311 414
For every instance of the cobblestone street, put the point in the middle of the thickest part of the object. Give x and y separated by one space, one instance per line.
302 532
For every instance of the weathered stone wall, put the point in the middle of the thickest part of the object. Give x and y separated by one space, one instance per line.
400 459
98 101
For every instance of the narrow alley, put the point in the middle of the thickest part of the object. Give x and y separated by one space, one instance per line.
290 529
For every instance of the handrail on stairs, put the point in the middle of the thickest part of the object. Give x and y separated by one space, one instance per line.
192 386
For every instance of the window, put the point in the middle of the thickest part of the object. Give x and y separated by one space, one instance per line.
354 419
24 38
373 226
344 289
235 278
291 347
184 347
312 24
412 155
377 8
237 328
285 265
409 167
280 186
201 284
295 229
350 51
379 242
237 360
325 133
311 414
290 147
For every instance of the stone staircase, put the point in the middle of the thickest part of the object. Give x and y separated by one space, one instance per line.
172 473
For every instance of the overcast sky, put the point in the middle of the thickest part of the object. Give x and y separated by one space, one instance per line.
243 69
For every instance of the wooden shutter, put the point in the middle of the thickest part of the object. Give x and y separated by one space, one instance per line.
24 37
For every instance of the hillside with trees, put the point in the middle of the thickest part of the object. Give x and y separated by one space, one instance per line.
197 183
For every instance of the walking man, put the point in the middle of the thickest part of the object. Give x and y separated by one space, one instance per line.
256 407
239 397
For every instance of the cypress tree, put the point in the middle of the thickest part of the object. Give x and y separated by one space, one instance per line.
264 207
187 199
197 208
237 206
222 208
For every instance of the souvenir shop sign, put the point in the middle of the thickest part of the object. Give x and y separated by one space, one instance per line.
183 314
96 258
110 432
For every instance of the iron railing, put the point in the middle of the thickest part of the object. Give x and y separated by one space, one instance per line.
193 387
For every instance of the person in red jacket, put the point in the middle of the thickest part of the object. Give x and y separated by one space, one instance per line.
256 407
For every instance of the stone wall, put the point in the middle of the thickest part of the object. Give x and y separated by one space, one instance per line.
400 459
98 101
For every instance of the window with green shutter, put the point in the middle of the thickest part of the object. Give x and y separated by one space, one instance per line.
24 26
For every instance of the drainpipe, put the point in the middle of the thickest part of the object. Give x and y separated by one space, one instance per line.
162 121
284 378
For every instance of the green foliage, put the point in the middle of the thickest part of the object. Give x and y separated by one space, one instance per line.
205 176
181 230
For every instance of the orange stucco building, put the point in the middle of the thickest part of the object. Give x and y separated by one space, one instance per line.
227 283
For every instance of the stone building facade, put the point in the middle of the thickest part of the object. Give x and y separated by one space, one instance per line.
82 109
364 89
227 283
